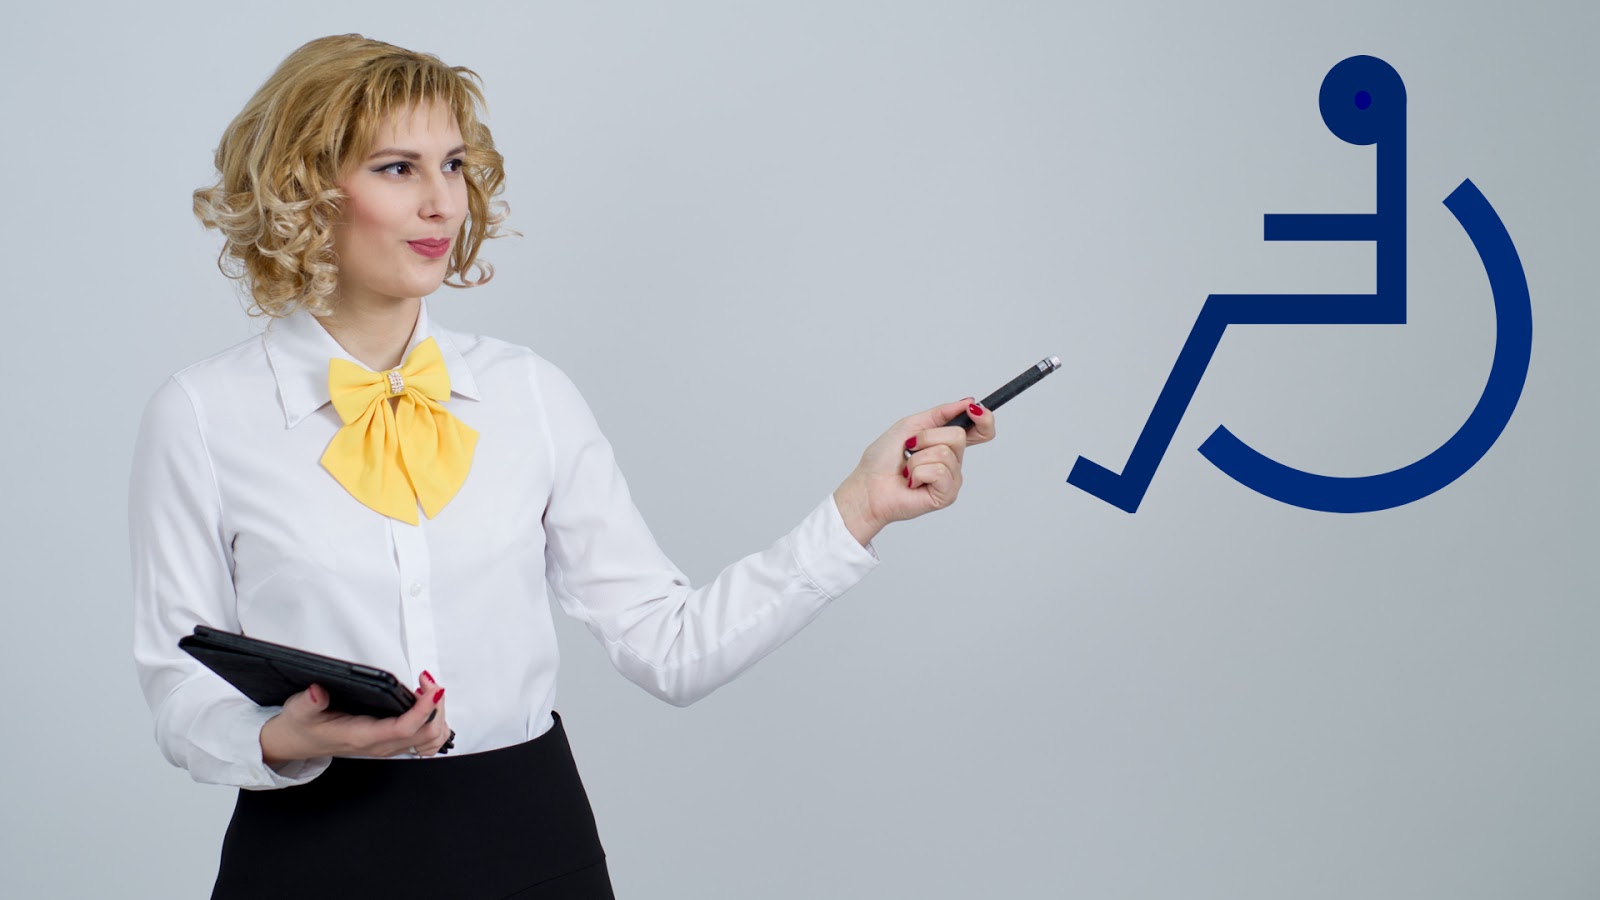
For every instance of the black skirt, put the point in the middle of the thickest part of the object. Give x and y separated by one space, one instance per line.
508 823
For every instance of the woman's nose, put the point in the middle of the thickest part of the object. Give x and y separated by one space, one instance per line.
438 199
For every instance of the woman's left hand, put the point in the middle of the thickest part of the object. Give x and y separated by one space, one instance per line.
887 487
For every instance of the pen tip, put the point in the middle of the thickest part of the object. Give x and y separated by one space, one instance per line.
1055 362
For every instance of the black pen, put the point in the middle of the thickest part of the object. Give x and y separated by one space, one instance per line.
1012 388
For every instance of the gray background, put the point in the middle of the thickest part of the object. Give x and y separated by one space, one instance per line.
755 236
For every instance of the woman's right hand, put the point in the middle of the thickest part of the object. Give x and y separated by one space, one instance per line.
307 729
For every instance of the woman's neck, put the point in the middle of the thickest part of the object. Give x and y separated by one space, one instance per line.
375 334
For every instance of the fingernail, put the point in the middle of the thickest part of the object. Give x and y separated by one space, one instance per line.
427 676
438 695
905 472
908 482
429 720
421 691
911 442
975 409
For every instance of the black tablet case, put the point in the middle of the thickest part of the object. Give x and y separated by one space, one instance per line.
270 673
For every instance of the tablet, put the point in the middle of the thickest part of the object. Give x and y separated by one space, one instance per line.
270 673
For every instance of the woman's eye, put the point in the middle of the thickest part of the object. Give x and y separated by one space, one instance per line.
458 164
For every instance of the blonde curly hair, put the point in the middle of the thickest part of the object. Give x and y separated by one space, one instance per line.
276 197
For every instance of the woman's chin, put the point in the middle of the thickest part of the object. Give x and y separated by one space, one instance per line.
417 287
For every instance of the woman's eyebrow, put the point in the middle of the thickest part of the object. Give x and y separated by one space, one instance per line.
412 154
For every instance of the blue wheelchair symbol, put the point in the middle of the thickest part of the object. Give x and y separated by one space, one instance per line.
1363 101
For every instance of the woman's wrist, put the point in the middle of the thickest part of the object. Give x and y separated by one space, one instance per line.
279 746
851 499
272 750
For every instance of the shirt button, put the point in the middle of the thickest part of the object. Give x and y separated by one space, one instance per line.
416 589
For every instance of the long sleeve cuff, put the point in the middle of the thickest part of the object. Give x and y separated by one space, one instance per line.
261 776
828 554
224 747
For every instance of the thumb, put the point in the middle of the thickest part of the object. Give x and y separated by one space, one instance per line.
316 698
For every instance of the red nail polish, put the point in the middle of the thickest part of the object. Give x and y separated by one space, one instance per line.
427 676
911 442
905 472
908 482
438 695
975 409
421 691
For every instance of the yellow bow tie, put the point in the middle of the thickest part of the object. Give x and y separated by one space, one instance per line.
391 458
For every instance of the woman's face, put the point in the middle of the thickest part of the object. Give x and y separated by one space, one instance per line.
409 188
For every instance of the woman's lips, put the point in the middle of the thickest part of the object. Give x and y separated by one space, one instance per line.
433 249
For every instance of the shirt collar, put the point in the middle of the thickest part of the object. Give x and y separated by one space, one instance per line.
299 348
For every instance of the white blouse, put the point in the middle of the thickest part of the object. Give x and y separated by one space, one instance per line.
233 523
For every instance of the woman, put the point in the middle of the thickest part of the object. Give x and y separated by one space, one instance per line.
276 492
